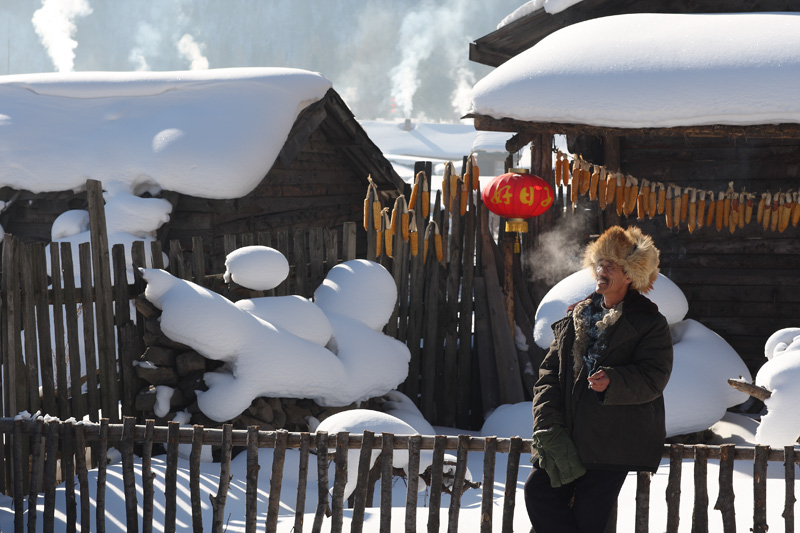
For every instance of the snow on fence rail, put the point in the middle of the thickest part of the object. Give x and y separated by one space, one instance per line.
52 442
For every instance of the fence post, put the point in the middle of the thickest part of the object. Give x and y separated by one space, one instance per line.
103 292
760 489
700 512
674 487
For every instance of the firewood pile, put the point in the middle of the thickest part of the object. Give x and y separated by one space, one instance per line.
171 364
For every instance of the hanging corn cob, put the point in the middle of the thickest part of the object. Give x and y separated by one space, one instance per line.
652 200
593 181
454 191
641 201
720 215
393 219
576 182
775 214
565 171
464 197
712 207
726 206
662 195
376 207
611 188
795 208
412 201
631 194
760 210
677 200
448 169
765 217
388 233
476 173
748 208
413 233
586 177
400 206
601 188
701 210
379 239
786 212
620 193
669 212
692 209
437 244
366 208
733 216
684 203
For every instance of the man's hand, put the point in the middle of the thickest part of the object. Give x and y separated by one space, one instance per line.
598 381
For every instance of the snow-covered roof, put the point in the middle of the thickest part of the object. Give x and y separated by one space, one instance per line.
424 140
654 70
209 133
549 6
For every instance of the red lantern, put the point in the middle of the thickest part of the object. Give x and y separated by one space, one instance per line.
517 195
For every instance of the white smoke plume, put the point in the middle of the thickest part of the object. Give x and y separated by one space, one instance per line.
148 40
560 251
192 51
54 22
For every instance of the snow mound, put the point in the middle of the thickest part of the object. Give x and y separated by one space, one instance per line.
259 268
783 340
665 294
270 348
781 425
295 314
698 393
498 422
359 289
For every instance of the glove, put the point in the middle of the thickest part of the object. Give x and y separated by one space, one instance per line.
558 455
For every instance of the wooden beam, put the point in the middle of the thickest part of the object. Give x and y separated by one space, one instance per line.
756 131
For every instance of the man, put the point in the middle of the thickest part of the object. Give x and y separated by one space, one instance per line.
598 410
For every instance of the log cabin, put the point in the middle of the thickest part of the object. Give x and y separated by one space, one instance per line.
319 179
742 284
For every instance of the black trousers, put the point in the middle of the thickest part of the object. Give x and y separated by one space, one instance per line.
583 506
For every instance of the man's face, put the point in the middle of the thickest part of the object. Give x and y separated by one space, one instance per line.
612 282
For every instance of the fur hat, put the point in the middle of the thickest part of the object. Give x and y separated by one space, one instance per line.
630 249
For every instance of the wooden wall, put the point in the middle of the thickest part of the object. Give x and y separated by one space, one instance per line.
742 285
318 189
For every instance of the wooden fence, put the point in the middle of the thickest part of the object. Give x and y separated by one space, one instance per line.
53 443
62 336
457 315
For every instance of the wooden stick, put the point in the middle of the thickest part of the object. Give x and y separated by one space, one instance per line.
147 477
487 496
194 478
726 496
275 481
218 501
642 519
700 511
322 481
789 476
674 487
458 483
753 390
413 483
251 493
128 476
102 462
302 480
339 481
760 490
171 478
363 485
387 458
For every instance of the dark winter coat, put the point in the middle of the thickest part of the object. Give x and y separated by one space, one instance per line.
621 428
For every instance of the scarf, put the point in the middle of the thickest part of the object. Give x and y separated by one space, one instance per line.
592 322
